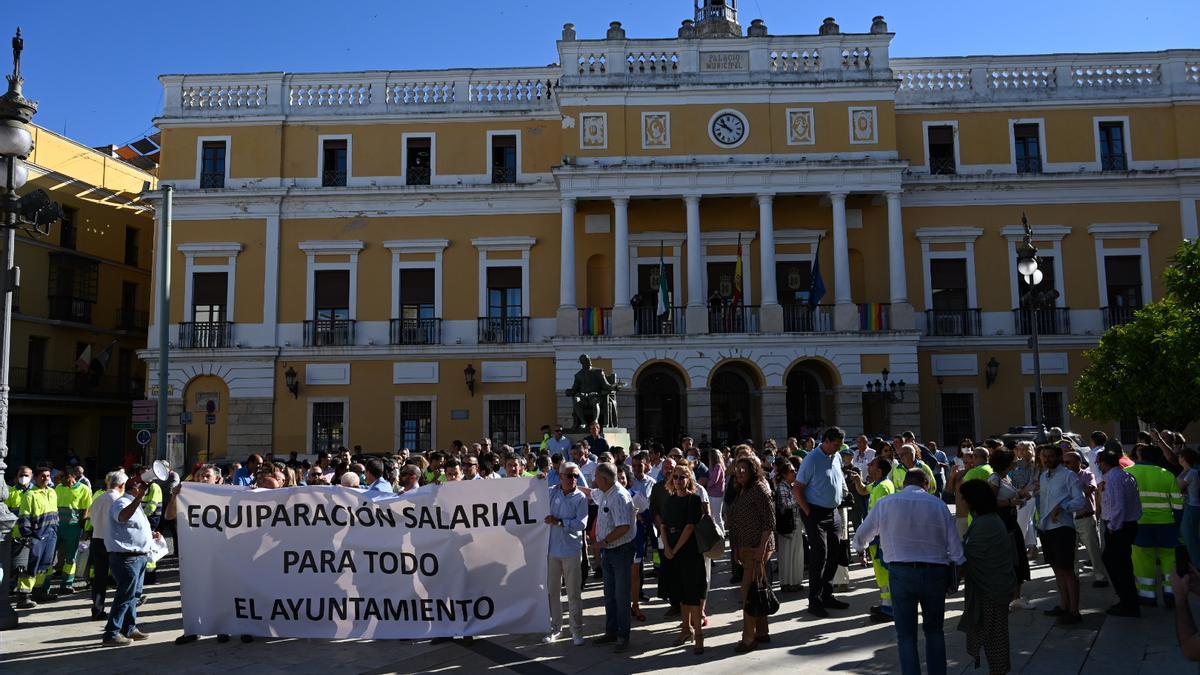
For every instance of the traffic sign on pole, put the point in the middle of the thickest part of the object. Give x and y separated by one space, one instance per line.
143 437
151 426
185 417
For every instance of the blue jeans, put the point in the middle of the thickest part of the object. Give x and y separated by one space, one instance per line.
128 572
617 566
924 586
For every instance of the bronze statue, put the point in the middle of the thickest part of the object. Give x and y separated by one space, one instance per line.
593 396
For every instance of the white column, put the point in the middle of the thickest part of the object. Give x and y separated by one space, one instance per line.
695 253
766 238
841 249
696 316
897 273
621 295
902 315
567 321
566 279
1188 216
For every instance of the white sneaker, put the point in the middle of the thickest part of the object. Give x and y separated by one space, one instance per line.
579 641
1020 603
552 637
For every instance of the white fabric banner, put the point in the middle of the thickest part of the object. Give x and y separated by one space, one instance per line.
465 558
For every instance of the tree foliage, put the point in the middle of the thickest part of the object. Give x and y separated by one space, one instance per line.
1149 369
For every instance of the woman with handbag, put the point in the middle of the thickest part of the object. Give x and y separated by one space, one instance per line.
790 539
752 536
683 564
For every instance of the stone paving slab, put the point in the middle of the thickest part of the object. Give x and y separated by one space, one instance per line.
60 638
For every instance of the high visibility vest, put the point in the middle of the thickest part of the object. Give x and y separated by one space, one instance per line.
880 490
152 501
15 492
1159 493
901 471
72 503
38 512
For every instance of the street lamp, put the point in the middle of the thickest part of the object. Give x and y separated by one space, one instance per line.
1034 298
886 389
33 213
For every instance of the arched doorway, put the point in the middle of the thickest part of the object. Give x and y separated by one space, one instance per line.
661 404
810 402
204 441
736 404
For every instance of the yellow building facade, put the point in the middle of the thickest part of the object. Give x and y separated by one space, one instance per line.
81 312
423 256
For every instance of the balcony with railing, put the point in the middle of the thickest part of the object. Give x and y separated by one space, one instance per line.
416 332
953 322
807 318
502 330
212 180
67 308
205 334
74 384
874 316
1118 316
1113 163
329 333
504 174
417 175
333 178
128 318
595 321
942 166
739 319
1029 164
647 321
1050 321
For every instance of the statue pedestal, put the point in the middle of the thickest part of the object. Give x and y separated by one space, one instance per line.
617 437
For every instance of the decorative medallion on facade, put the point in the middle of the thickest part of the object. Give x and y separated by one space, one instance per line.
864 127
568 122
593 131
656 130
800 127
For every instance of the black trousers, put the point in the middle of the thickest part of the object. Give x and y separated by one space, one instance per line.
1117 556
823 541
98 557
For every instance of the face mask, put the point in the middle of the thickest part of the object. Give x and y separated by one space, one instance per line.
24 480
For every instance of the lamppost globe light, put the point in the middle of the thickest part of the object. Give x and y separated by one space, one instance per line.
15 140
1027 265
20 172
1036 277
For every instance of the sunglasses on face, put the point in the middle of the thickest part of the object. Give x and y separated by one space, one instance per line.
679 477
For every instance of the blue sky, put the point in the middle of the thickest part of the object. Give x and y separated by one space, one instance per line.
93 65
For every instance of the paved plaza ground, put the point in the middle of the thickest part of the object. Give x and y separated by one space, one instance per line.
60 638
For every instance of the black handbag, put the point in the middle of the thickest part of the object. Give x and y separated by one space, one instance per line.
785 521
762 600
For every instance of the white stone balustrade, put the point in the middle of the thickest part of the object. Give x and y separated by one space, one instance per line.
1050 77
802 61
653 62
364 93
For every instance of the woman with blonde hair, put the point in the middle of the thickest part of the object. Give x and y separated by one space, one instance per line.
752 537
683 565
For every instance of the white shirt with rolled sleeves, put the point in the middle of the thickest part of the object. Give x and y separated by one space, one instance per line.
614 508
935 541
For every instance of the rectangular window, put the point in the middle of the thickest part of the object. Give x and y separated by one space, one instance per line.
504 292
958 418
1123 275
66 228
649 278
212 164
504 159
35 364
132 250
792 281
416 425
1112 147
948 281
720 283
1052 406
941 150
209 296
331 294
504 421
335 163
73 287
328 426
417 294
418 168
1027 147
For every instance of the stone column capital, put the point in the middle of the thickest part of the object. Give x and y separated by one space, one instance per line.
620 201
691 199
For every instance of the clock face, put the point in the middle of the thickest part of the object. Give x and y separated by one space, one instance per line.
728 129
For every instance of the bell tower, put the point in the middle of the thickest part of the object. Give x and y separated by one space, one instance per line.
717 18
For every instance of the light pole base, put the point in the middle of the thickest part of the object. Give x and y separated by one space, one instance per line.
8 616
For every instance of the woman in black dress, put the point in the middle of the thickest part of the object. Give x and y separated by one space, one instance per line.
683 568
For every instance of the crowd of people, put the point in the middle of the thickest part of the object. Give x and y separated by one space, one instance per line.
924 520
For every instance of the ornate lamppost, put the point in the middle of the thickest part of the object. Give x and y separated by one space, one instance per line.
1034 299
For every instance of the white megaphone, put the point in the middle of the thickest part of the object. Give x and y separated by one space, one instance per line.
159 470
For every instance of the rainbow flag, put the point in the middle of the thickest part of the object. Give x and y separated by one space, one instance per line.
873 316
593 321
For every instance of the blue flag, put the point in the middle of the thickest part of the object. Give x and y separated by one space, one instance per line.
816 285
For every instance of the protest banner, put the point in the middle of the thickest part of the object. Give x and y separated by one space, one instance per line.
465 558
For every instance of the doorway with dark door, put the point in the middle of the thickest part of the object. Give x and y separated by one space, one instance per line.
809 399
661 405
736 400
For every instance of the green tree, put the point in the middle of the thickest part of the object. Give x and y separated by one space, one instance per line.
1150 368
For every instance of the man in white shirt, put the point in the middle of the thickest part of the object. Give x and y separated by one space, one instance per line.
559 444
614 536
114 484
918 560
